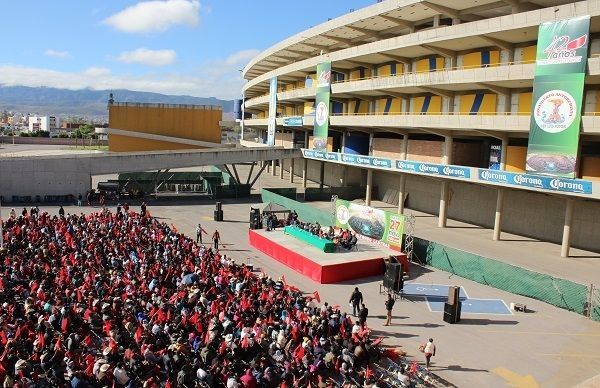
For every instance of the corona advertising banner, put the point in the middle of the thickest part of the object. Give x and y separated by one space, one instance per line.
557 97
379 226
321 128
272 123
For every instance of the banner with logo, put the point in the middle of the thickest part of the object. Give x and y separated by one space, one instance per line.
272 121
557 97
385 228
321 128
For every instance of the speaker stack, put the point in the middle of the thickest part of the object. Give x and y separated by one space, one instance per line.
218 212
393 279
254 218
453 305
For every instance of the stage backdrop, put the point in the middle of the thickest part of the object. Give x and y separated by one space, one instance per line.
382 227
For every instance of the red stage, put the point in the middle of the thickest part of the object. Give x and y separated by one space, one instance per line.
320 266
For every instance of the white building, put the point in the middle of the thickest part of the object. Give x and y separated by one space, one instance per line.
42 123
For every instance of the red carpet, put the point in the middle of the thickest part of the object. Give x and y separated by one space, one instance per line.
319 272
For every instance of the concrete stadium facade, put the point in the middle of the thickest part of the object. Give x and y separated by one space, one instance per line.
436 85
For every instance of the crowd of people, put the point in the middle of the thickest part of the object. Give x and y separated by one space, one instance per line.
344 238
123 300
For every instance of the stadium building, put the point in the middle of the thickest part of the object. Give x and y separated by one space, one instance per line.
430 102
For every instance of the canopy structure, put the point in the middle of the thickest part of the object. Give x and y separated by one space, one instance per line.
271 207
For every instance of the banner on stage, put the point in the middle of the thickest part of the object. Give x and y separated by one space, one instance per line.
383 227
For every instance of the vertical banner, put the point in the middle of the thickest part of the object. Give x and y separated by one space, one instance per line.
272 123
321 129
379 226
557 97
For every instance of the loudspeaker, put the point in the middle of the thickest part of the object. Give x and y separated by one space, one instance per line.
392 278
218 206
453 294
218 215
452 312
254 218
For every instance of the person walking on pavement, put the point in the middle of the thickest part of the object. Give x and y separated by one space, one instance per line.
79 199
429 352
216 238
362 315
61 211
356 299
199 232
389 305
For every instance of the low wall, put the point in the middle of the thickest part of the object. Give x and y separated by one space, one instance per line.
559 292
349 193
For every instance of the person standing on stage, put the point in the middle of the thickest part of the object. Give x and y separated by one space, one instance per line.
356 300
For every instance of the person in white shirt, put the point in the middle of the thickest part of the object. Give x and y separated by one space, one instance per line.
199 232
403 378
429 352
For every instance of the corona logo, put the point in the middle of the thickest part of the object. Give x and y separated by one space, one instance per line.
559 184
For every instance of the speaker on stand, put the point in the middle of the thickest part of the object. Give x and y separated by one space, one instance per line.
453 305
218 215
254 218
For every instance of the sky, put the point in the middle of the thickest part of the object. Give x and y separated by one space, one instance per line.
182 47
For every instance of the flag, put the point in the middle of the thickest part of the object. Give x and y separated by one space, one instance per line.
315 295
369 372
245 343
138 334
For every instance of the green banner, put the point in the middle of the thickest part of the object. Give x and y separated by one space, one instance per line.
378 225
321 129
557 97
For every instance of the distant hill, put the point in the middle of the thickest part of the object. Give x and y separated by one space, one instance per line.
87 102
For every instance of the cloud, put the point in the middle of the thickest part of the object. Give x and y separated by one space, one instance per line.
57 54
148 57
217 78
156 16
96 71
241 57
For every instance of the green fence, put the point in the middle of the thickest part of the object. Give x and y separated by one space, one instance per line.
306 212
558 292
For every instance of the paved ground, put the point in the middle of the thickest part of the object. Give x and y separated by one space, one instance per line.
555 348
16 150
546 347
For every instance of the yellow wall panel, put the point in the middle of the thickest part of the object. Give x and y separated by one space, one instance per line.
529 53
427 105
590 167
308 108
384 70
466 101
484 104
358 106
119 143
515 158
356 73
524 106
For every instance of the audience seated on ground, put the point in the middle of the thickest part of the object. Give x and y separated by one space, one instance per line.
121 299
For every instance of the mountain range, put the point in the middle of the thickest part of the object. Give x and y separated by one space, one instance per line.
87 102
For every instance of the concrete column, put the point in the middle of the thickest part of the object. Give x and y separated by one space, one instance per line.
566 238
498 218
306 139
401 190
280 168
443 215
344 167
304 171
369 186
371 135
436 20
322 175
292 170
447 155
503 154
404 150
273 167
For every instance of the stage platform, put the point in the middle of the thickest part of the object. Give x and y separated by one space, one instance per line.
320 266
